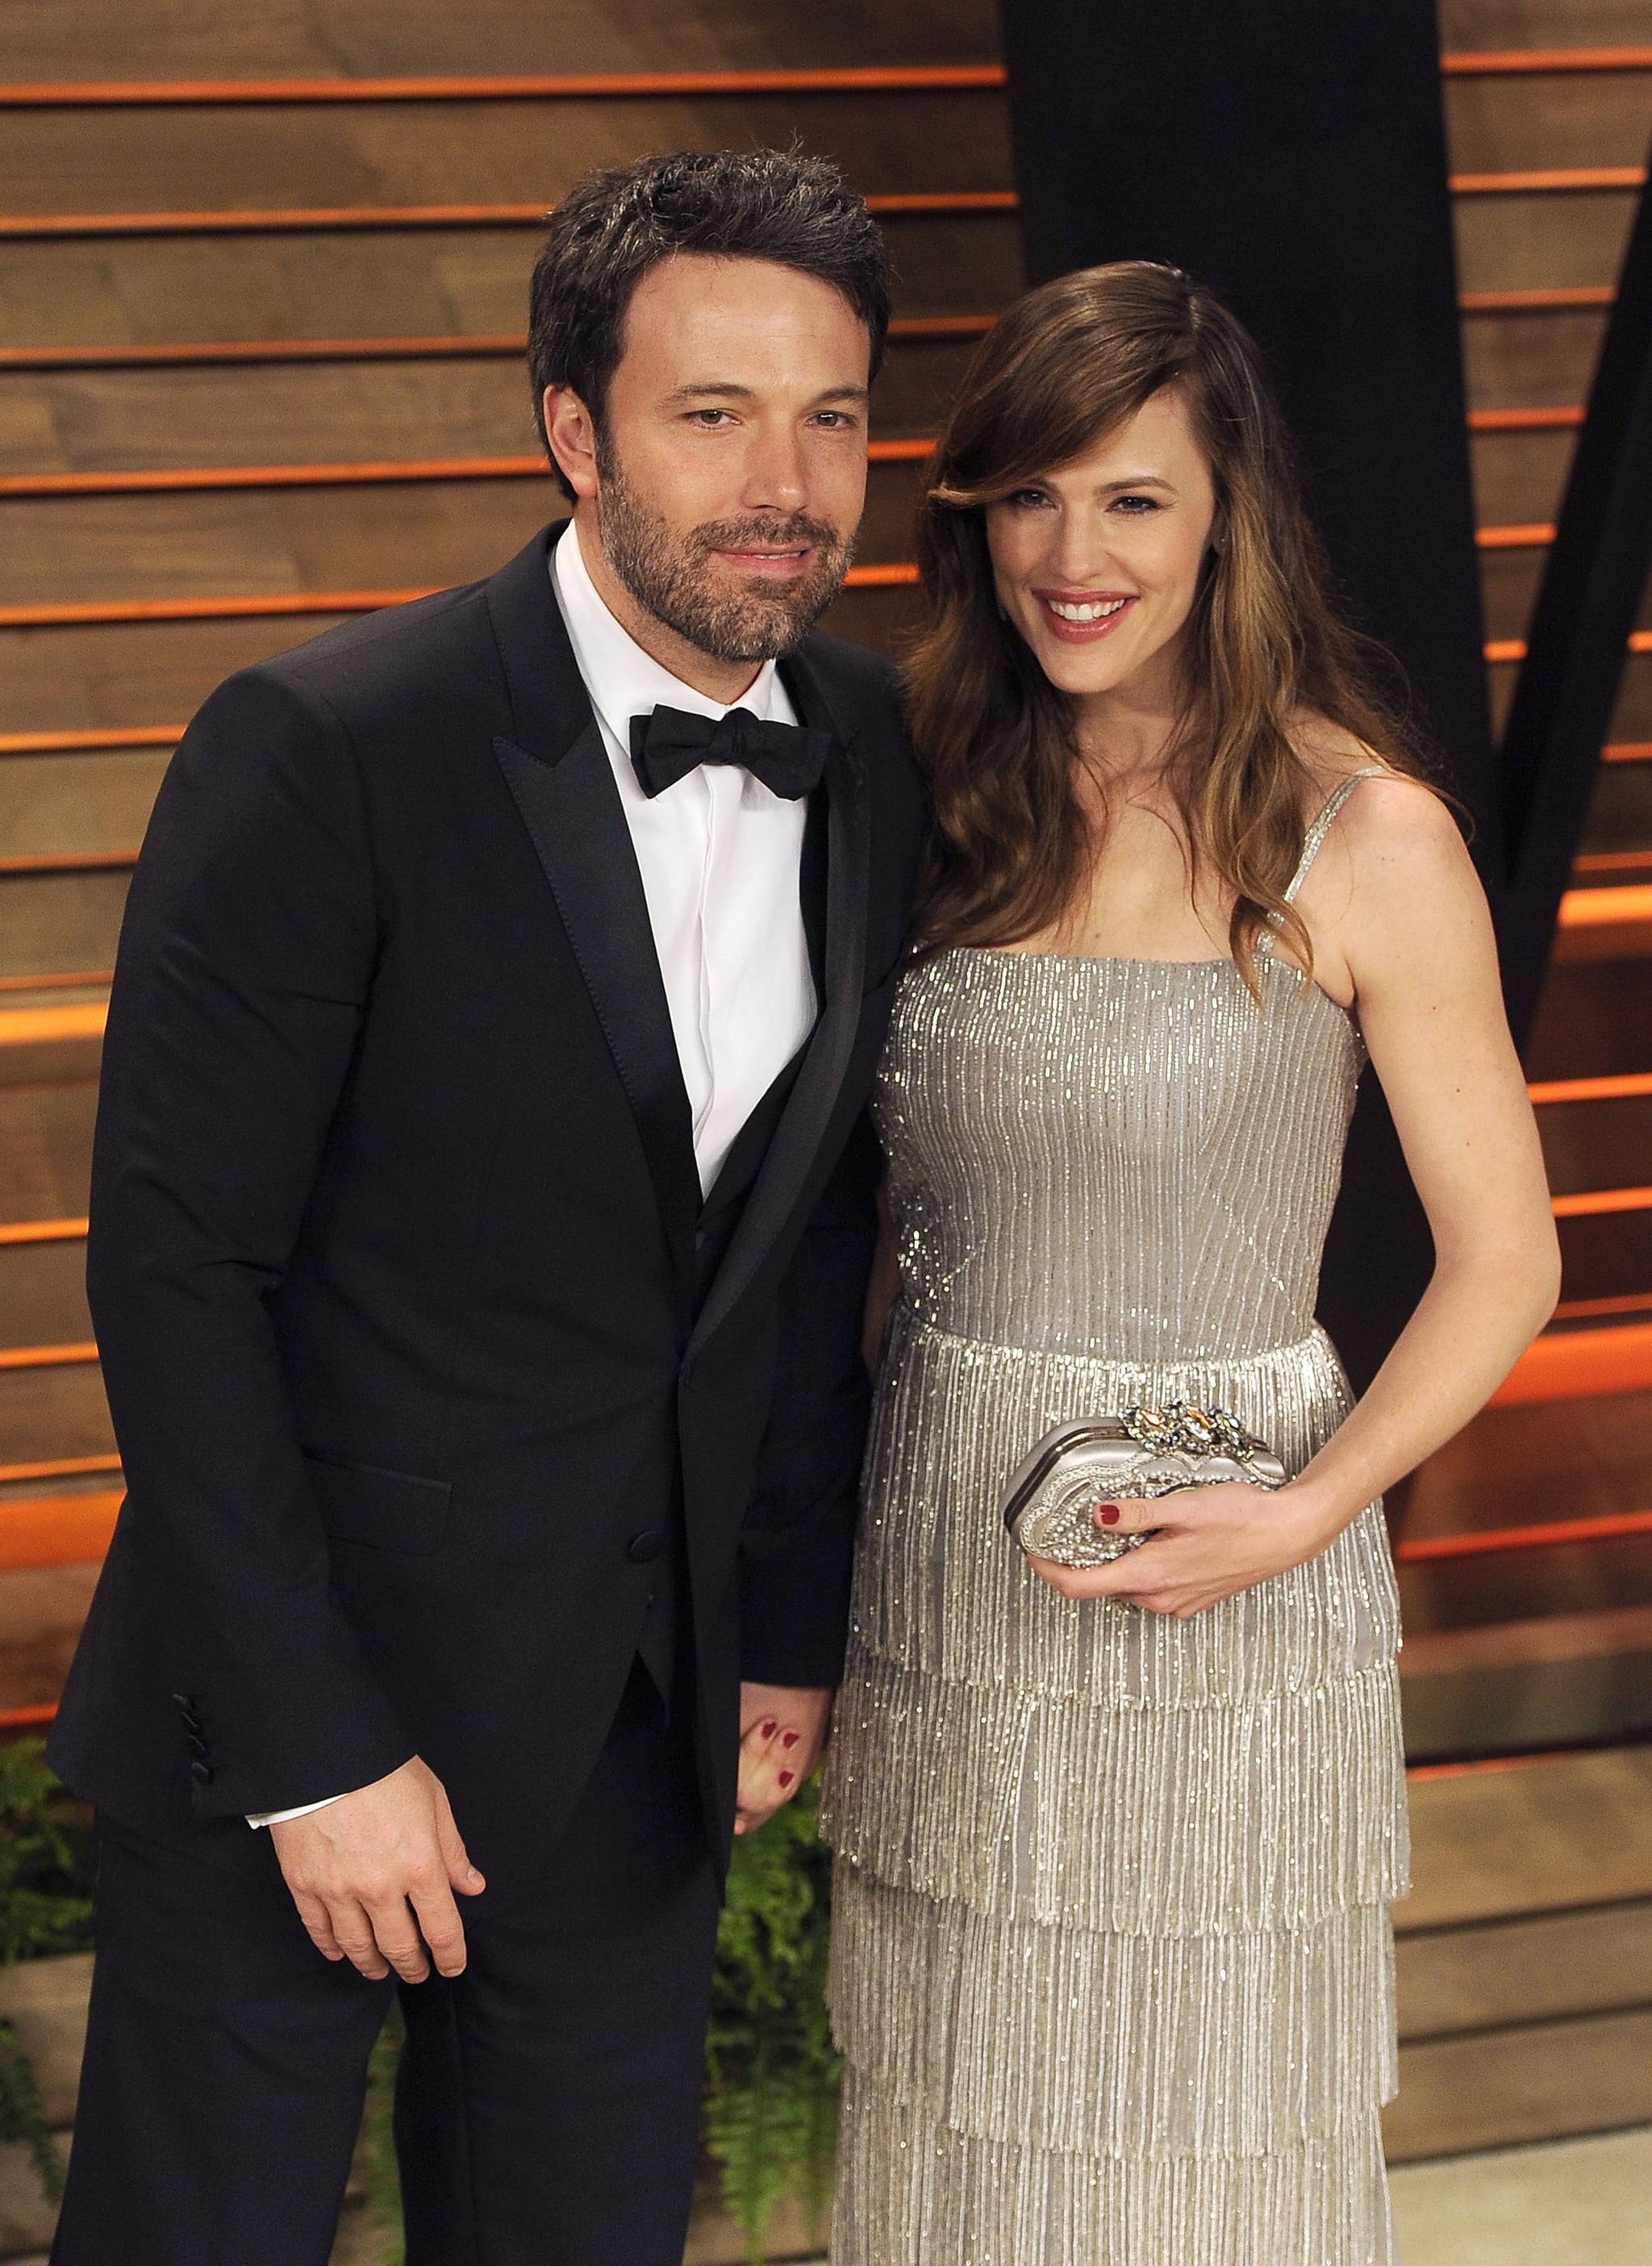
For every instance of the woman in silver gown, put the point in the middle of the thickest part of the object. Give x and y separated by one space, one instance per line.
1112 1959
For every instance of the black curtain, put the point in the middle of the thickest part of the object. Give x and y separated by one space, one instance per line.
1291 154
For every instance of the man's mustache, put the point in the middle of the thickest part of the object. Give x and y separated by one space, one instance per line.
767 534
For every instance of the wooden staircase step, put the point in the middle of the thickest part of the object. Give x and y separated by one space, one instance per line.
1541 1967
162 289
424 534
265 154
128 675
1496 124
52 922
1521 2083
1598 1572
1512 359
1557 1680
43 1295
62 803
1520 242
52 1415
148 420
1546 1835
174 39
46 1147
1524 1463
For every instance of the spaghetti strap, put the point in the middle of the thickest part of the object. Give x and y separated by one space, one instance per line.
1313 840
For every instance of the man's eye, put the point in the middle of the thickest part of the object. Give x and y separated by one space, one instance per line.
709 417
836 420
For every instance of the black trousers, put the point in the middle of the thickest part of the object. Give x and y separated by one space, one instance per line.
547 2104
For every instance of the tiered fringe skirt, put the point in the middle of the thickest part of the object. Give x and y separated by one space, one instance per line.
1112 1962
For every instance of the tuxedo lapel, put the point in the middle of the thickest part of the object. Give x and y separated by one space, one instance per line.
558 773
803 1123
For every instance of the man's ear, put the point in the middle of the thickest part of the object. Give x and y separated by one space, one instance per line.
571 431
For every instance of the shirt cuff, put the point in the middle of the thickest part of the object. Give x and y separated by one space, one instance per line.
281 1816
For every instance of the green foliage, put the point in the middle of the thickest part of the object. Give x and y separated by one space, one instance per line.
770 2110
378 2139
45 1859
45 1908
20 2115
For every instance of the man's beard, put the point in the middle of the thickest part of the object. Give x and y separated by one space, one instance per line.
671 576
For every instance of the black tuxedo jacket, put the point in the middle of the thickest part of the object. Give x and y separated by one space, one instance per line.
392 1258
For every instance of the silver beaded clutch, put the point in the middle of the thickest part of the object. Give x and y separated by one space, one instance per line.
1050 1501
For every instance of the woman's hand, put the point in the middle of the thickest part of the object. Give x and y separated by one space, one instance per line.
782 1736
1208 1543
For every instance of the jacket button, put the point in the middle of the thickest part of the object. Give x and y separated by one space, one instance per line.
197 1746
201 1773
644 1548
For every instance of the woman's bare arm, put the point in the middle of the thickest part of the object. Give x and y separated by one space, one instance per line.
1398 918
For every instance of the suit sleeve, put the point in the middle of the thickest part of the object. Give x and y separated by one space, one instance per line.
798 1543
245 964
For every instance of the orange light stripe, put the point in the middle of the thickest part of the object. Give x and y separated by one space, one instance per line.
1430 1548
34 1027
184 479
1478 1766
1515 649
1607 861
1580 1366
205 609
1581 909
1627 751
455 345
50 1356
64 1530
442 346
1626 1086
363 602
1579 1310
1503 62
23 1719
869 78
57 1467
42 1230
1545 299
585 85
56 981
1526 420
276 602
1548 180
880 578
1588 1203
192 479
67 861
287 220
1531 536
46 743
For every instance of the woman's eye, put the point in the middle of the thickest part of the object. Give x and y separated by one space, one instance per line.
1135 504
1027 499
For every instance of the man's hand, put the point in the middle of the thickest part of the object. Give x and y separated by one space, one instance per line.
377 1870
782 1735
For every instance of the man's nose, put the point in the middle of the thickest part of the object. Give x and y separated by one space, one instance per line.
777 478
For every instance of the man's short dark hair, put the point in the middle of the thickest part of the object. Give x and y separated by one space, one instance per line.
618 221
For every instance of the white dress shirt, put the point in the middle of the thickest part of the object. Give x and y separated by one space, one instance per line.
721 858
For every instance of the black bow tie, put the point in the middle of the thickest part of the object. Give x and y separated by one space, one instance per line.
668 745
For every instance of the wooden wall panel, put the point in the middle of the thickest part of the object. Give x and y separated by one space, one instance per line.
235 159
184 39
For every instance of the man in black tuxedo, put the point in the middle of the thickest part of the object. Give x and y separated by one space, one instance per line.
482 1209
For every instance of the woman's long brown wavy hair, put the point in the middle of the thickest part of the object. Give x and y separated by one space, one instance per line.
1065 367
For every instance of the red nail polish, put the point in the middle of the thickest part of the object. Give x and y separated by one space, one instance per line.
1108 1513
790 1740
768 1730
785 1778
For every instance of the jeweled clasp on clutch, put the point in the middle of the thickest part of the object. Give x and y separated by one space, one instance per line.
1182 1429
